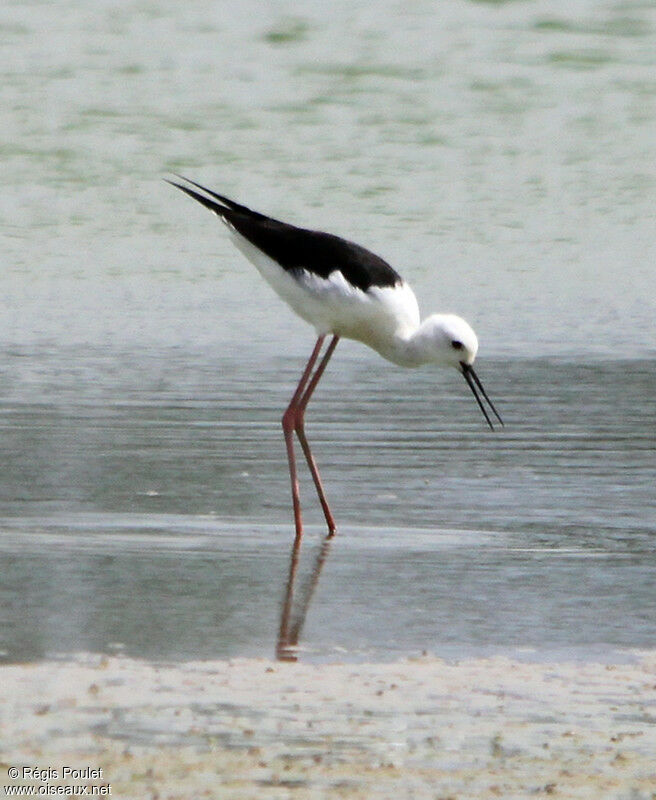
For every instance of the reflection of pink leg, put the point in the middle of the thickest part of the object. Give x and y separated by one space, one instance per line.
288 632
284 647
300 432
289 423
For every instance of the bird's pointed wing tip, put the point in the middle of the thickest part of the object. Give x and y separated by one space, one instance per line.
224 202
217 208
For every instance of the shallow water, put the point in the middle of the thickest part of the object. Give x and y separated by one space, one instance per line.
158 521
500 155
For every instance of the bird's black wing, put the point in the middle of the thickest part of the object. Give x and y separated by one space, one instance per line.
297 248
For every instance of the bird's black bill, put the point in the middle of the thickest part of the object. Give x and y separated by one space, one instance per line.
472 379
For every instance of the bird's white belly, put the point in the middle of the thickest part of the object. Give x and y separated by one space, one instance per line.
332 305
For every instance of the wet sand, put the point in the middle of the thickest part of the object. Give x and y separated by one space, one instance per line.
417 728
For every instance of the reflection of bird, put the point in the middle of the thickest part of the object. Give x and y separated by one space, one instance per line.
347 291
291 626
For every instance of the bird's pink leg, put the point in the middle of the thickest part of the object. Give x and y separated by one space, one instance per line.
289 425
300 432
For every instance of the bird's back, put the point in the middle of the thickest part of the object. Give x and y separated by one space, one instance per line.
316 252
334 284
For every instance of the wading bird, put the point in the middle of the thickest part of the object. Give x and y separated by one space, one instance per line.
343 290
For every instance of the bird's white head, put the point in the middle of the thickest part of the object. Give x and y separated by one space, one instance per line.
448 341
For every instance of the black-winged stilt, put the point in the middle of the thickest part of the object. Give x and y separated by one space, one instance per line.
347 291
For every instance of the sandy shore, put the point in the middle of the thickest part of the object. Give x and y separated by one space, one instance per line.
424 728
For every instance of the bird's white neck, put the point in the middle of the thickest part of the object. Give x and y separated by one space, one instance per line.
411 347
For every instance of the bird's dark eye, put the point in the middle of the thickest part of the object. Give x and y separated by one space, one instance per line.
456 345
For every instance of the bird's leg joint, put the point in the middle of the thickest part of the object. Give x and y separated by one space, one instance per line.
289 419
299 421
